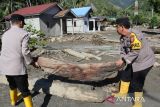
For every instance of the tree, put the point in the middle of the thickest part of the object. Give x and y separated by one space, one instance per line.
8 6
80 3
154 22
155 5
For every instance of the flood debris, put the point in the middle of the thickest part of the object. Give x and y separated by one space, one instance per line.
81 72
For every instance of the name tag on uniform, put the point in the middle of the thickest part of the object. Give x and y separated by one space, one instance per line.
135 43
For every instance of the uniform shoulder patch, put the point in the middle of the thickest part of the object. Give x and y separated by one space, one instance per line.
135 43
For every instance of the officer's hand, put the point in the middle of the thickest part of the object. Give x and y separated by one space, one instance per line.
35 64
119 63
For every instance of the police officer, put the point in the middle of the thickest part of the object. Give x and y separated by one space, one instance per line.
138 58
15 54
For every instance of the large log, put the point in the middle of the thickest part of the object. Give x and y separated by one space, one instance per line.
82 72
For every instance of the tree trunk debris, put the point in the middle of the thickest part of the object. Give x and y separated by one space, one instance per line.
82 72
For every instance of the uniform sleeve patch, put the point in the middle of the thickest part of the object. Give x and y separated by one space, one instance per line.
135 43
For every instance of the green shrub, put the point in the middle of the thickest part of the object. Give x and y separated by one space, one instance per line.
38 40
32 42
154 22
139 19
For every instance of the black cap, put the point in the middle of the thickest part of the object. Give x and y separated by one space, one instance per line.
124 21
17 17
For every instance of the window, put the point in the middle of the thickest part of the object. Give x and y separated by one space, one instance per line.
74 23
47 23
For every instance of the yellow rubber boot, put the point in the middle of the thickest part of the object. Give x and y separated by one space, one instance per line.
124 87
13 96
138 99
28 101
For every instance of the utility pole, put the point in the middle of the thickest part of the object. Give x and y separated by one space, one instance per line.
74 3
136 8
152 11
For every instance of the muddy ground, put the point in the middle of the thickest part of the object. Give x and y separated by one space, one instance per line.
105 42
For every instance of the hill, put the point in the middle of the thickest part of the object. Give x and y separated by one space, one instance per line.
122 3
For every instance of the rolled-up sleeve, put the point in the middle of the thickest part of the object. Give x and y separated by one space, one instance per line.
128 51
25 50
130 57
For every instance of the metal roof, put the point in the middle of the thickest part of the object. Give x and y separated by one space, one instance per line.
62 13
33 10
81 12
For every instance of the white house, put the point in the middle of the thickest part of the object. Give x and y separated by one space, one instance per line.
80 22
97 23
52 20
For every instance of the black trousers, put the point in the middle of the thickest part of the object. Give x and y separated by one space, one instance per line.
136 79
20 82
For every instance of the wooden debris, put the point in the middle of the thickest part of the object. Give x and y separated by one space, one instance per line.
91 56
156 64
157 56
156 49
97 40
82 72
102 53
75 53
81 55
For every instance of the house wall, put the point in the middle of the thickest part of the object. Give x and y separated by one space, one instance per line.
77 25
34 21
49 25
86 24
56 29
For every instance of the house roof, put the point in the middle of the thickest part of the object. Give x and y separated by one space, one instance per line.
62 13
100 18
81 12
33 10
